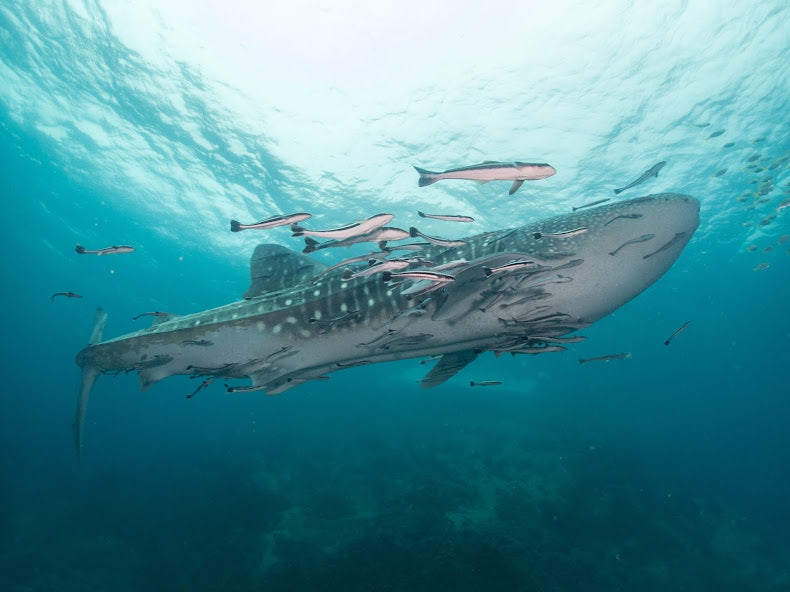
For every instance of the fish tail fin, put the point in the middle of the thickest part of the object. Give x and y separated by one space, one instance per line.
309 245
488 271
666 342
414 232
80 249
297 230
471 383
347 273
386 276
421 214
235 226
618 191
426 177
89 374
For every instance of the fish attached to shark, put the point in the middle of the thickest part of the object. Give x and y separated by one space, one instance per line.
291 329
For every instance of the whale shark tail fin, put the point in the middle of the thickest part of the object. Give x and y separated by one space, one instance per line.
90 373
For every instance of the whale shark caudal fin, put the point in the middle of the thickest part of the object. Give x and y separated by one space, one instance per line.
89 375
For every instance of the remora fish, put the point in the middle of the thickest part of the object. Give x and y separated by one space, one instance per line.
347 231
651 172
442 242
621 356
66 294
592 203
518 172
273 222
270 339
115 249
676 333
446 217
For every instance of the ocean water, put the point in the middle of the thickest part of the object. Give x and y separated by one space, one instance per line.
136 123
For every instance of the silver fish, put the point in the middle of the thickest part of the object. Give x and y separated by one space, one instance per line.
639 239
66 294
592 203
678 332
490 170
347 231
273 222
377 235
621 356
436 241
651 172
430 276
561 234
114 250
446 217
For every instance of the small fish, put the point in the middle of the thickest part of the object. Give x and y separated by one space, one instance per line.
720 172
639 239
430 276
729 145
753 157
66 294
436 241
766 221
768 249
388 265
651 172
200 342
785 204
562 234
518 172
512 266
701 124
624 217
377 235
666 245
592 203
678 332
751 248
203 385
272 222
355 229
446 217
156 313
762 267
758 140
783 239
605 358
347 316
113 250
485 382
716 134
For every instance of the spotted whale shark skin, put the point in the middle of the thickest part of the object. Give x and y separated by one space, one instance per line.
297 325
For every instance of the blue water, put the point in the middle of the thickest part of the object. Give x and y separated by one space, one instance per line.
153 126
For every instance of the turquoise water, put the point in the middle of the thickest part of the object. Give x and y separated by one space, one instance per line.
153 126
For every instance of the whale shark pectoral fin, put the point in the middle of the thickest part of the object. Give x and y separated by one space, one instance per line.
515 187
448 366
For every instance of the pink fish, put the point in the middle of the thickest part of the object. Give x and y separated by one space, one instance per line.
518 172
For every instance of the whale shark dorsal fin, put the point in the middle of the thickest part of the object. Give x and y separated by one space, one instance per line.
447 367
274 267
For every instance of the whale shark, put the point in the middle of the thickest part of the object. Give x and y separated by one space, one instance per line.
517 291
